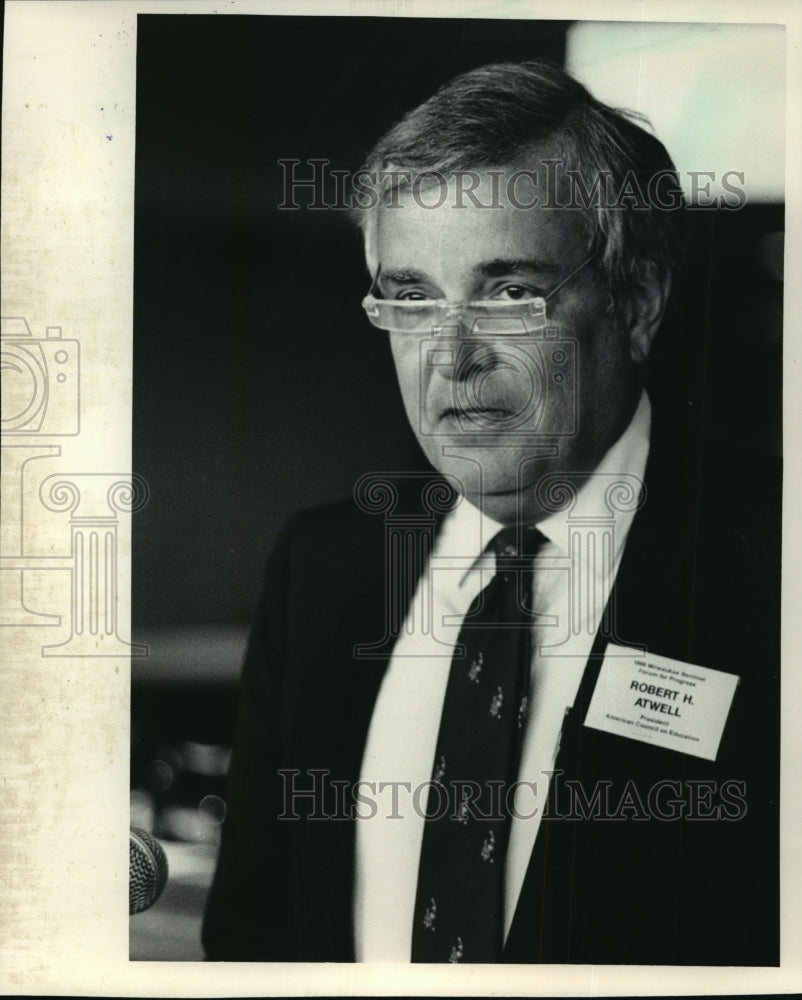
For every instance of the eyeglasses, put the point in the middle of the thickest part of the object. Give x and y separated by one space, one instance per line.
488 317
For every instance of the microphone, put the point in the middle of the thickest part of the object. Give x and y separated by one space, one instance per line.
147 870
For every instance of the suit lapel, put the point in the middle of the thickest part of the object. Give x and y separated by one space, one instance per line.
382 555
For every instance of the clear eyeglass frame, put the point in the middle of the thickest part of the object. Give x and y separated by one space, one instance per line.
491 317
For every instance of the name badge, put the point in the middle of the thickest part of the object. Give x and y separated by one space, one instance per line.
658 700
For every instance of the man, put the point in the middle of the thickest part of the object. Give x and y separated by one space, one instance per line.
527 712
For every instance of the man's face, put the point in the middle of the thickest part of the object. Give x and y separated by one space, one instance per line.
500 413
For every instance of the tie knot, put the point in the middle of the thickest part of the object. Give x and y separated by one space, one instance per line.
516 541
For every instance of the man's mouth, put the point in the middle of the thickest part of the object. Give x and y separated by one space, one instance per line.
478 414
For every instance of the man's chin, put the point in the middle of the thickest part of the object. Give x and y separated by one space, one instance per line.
509 507
487 467
501 484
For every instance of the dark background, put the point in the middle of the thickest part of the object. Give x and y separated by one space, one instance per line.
260 387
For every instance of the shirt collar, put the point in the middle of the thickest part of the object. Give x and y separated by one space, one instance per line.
467 530
627 457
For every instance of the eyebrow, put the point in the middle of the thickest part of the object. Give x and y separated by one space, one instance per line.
403 276
495 268
500 266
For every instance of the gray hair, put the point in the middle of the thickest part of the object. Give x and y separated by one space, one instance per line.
491 117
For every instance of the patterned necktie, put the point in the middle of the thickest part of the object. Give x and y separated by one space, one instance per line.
459 908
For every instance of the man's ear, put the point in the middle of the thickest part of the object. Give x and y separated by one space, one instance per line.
646 305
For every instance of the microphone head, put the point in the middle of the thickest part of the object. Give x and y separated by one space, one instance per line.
147 870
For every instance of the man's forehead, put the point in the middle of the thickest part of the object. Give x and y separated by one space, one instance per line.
423 227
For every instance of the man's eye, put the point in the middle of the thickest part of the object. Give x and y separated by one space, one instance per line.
516 293
412 296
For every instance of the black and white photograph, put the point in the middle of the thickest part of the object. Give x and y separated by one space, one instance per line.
429 590
525 341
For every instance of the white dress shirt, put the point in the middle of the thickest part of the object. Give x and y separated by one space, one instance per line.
574 573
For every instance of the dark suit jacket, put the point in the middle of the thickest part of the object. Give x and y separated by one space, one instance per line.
698 582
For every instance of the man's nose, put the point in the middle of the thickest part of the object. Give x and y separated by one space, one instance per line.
468 358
